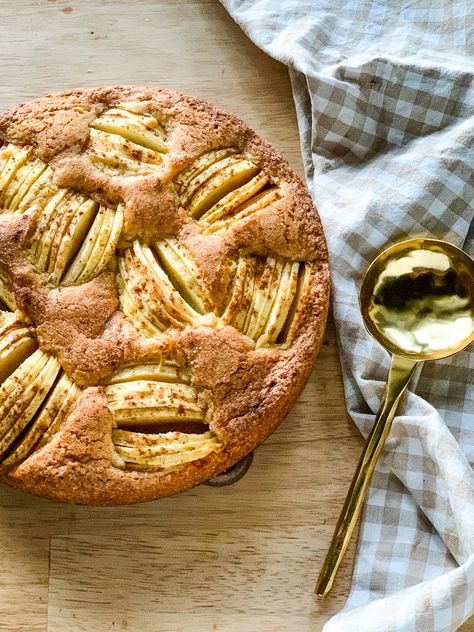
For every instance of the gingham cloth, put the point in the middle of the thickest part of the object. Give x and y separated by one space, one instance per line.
384 93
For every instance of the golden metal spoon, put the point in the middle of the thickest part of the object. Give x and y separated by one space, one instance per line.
417 300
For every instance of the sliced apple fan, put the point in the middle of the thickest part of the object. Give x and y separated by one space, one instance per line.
24 180
123 142
266 298
223 187
74 237
161 287
151 397
35 394
163 452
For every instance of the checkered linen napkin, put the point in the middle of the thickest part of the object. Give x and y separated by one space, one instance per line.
384 91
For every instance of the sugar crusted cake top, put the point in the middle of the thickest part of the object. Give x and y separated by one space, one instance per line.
164 282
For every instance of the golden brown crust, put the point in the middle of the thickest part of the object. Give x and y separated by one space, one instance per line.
249 388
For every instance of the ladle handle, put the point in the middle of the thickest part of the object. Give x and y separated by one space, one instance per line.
401 371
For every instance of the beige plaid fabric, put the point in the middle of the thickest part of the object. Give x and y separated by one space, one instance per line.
384 91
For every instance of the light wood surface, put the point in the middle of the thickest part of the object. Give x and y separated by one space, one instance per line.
233 559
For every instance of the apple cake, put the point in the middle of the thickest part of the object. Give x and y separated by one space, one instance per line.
164 291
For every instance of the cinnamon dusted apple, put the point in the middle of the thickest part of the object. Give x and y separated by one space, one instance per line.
163 293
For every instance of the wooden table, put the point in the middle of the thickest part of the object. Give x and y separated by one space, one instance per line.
234 559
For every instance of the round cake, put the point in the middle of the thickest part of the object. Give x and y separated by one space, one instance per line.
164 290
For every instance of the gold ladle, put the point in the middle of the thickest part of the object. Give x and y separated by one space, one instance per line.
417 300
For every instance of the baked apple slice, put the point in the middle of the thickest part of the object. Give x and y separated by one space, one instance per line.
48 421
148 402
220 184
238 213
266 297
12 158
16 344
7 298
22 393
164 371
126 143
141 129
150 290
204 162
25 176
183 273
164 451
235 198
97 247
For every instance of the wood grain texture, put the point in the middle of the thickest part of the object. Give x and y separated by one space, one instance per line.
232 559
